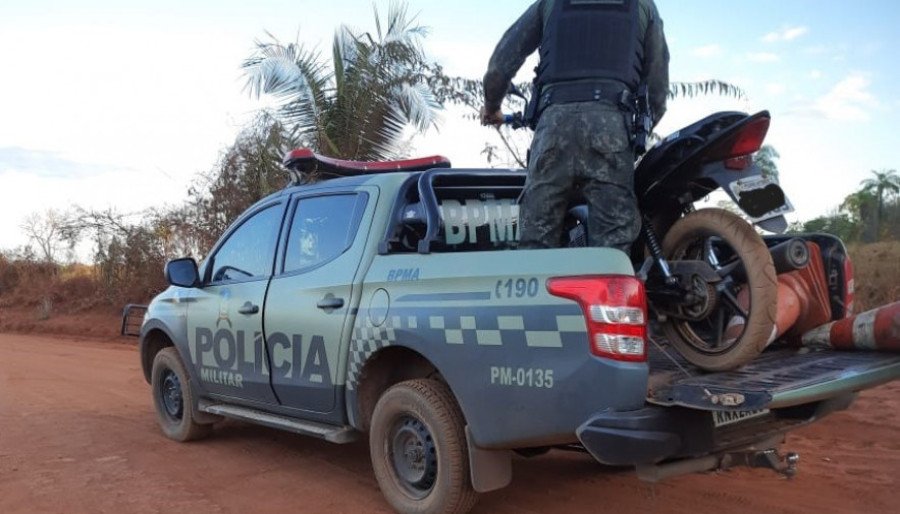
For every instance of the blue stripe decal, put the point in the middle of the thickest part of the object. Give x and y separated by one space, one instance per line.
446 297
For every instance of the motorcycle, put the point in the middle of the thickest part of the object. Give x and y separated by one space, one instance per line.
710 278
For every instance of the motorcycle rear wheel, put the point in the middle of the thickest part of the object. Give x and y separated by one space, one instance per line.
690 238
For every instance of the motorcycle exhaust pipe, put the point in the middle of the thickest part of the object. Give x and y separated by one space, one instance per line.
791 255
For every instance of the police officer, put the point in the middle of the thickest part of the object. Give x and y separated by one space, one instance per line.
594 56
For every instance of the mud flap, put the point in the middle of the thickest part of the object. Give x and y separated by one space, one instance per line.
490 469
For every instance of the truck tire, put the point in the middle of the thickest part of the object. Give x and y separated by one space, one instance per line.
173 399
419 453
762 285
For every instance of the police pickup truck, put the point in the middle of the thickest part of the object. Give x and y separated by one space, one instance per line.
390 301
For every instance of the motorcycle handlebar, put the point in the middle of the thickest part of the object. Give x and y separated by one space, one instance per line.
516 121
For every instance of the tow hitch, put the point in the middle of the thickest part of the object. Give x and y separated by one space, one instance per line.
785 465
770 459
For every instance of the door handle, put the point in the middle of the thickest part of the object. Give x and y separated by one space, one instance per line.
330 303
249 309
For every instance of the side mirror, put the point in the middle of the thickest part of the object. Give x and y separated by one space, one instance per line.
183 273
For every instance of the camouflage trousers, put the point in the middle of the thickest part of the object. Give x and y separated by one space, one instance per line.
581 150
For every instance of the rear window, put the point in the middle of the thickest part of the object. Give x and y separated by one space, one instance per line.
478 211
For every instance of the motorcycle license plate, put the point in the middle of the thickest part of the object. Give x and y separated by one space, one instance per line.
724 419
761 198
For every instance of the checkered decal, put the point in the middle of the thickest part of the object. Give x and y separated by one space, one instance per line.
543 329
367 340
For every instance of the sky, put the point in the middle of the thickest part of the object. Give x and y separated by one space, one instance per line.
122 103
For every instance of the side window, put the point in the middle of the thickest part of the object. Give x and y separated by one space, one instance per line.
322 229
249 251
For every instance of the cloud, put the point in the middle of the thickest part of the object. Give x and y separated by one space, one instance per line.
849 100
776 89
46 164
785 34
816 50
763 57
708 51
815 74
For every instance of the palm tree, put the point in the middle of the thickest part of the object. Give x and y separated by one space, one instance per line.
766 160
884 183
860 208
361 108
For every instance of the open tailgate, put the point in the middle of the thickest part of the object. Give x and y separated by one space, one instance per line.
777 379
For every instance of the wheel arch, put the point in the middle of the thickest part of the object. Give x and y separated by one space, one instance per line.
154 338
383 369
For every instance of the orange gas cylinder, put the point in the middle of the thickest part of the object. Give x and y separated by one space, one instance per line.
811 287
803 301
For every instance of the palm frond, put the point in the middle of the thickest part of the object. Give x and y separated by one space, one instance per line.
294 75
401 43
386 137
418 105
705 88
377 22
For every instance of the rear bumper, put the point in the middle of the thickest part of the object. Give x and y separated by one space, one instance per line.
645 436
656 434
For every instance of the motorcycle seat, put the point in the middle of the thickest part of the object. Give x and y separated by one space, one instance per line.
305 161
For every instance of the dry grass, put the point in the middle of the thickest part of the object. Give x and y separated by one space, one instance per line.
877 274
70 300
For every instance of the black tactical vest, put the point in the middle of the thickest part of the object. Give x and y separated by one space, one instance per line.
591 39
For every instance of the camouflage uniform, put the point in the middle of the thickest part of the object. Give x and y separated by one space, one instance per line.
582 146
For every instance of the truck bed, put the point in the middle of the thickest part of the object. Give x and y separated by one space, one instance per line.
779 378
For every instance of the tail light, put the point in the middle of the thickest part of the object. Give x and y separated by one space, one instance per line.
849 287
736 148
615 311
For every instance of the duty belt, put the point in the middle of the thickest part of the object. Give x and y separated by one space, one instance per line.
585 92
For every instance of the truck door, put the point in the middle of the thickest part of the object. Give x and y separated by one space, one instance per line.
225 331
311 294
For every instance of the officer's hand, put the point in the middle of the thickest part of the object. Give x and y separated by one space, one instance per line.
491 118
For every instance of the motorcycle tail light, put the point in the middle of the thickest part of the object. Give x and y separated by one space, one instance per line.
750 138
615 312
739 163
736 149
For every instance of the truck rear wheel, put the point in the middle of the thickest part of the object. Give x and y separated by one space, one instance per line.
173 399
418 447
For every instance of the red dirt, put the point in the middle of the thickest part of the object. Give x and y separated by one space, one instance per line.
78 434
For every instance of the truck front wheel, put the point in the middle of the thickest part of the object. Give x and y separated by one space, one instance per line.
418 447
173 399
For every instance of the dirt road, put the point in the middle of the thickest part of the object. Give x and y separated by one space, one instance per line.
77 434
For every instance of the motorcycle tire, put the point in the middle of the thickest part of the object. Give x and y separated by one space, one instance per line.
762 285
